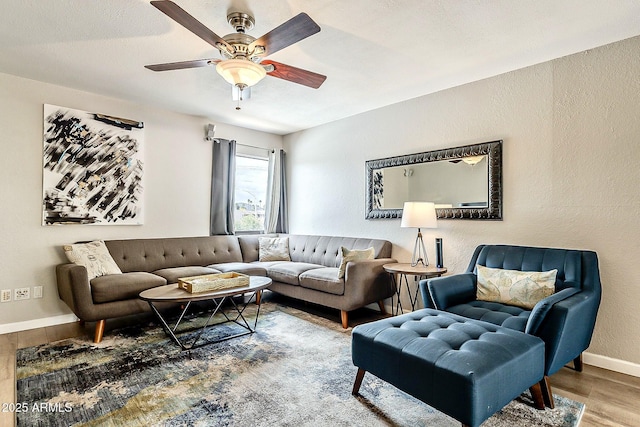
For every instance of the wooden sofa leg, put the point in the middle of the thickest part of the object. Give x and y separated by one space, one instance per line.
99 330
547 395
258 297
358 382
344 316
383 309
536 394
577 363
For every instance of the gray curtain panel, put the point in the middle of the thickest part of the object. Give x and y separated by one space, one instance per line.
276 220
283 218
223 186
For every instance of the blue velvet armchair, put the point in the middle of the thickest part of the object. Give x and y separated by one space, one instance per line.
564 320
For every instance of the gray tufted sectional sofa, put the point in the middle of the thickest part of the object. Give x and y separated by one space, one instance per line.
311 275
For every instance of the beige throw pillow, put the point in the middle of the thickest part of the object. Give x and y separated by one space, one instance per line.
519 288
94 256
273 249
353 255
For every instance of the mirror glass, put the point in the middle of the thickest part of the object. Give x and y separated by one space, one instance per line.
463 182
447 183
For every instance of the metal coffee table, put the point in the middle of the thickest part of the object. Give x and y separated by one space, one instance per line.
171 293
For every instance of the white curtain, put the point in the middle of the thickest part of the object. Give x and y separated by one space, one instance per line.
276 219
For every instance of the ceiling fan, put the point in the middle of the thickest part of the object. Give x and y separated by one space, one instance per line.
243 63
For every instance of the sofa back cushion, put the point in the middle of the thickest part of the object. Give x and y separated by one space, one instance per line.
525 258
154 254
321 250
325 250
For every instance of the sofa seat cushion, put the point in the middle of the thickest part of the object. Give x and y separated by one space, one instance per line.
323 279
173 274
119 287
499 314
250 269
288 272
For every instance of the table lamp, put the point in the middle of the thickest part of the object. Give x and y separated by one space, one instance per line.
419 215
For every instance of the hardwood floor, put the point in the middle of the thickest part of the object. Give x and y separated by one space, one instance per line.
611 398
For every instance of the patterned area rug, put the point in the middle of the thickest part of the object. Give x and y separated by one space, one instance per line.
295 371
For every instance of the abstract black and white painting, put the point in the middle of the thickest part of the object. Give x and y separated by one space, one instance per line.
378 189
93 168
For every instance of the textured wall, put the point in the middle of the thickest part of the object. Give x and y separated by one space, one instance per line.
571 131
177 164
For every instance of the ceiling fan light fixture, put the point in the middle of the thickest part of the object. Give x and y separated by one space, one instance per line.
240 72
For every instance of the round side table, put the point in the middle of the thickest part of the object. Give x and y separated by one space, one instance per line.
399 273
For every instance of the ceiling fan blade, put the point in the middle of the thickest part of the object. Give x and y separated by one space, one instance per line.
296 75
295 29
181 65
179 15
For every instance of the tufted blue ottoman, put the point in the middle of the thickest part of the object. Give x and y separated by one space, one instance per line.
466 368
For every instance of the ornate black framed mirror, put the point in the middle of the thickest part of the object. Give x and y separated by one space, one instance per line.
464 182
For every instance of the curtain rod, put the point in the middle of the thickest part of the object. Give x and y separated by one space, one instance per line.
259 148
250 146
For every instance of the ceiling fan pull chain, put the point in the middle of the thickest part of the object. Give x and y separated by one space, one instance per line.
241 89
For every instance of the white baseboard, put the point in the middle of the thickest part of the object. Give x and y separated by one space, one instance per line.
37 323
617 365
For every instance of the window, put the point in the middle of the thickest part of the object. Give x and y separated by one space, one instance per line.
250 193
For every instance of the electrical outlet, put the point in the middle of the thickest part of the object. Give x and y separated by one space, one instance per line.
21 293
37 291
5 295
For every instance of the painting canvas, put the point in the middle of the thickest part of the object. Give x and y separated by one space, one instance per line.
93 168
378 187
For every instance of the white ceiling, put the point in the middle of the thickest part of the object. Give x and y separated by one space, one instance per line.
374 52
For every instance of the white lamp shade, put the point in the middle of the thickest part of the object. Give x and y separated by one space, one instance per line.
240 71
419 215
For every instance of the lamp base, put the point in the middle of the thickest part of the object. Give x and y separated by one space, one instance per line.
419 252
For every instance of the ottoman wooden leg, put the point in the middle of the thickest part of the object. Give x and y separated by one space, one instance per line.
358 381
546 392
